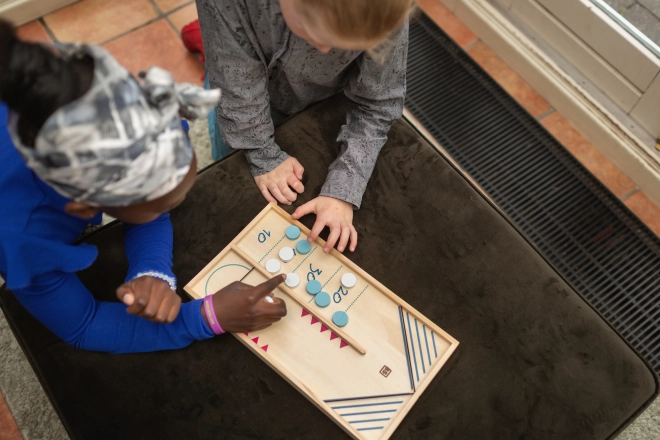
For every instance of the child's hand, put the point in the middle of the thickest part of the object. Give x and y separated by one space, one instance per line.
150 298
242 308
277 183
335 214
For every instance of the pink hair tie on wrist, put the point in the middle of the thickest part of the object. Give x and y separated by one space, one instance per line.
210 315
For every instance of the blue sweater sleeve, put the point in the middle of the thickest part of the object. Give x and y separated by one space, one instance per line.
62 303
149 249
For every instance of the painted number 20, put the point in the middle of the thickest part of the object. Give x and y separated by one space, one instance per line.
337 295
263 235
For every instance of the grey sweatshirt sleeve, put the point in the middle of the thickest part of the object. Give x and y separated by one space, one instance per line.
376 91
236 66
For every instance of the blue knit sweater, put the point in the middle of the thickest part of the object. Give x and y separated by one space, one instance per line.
39 263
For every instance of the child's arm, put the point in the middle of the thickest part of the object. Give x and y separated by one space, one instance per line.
150 283
376 91
238 68
63 304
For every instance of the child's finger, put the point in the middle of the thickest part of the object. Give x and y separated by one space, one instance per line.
296 184
174 312
267 196
264 192
171 301
286 192
303 210
354 238
298 169
275 191
140 302
316 229
335 231
265 288
345 235
155 300
125 294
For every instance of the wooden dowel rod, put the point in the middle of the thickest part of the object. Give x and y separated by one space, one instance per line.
350 341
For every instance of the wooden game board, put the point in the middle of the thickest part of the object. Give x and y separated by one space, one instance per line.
366 375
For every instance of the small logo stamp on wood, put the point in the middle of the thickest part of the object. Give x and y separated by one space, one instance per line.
385 371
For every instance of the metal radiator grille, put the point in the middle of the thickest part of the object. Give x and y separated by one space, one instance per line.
591 238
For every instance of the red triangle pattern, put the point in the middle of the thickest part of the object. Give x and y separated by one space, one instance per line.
245 334
333 336
342 344
304 313
255 340
314 320
265 347
323 328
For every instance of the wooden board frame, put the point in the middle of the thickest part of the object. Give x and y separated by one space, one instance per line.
307 387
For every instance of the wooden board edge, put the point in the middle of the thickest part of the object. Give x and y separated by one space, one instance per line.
300 387
287 375
221 254
403 413
328 323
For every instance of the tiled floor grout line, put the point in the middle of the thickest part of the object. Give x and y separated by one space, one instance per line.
627 196
178 8
123 34
471 45
157 8
166 16
48 30
545 114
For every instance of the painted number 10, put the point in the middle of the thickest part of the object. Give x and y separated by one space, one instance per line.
338 294
263 235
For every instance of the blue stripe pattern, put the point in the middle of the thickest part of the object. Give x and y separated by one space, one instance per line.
368 421
420 347
412 345
368 404
373 415
368 412
405 347
419 342
428 352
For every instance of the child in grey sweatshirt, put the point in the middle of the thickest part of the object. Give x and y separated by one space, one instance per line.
276 57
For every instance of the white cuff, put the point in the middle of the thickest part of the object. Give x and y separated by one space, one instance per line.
161 276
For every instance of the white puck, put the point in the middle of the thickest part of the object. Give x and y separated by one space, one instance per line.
286 254
273 265
348 280
292 279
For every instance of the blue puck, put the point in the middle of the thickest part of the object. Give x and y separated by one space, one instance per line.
340 318
292 232
313 287
322 299
303 246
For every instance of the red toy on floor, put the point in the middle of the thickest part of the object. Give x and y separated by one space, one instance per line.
192 38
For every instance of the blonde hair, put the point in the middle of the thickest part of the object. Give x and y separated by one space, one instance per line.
362 20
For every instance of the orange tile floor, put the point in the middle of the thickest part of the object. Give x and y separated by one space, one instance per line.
142 33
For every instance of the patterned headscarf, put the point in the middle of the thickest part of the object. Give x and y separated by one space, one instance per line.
121 143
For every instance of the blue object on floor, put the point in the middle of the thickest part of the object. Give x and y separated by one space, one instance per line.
218 147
